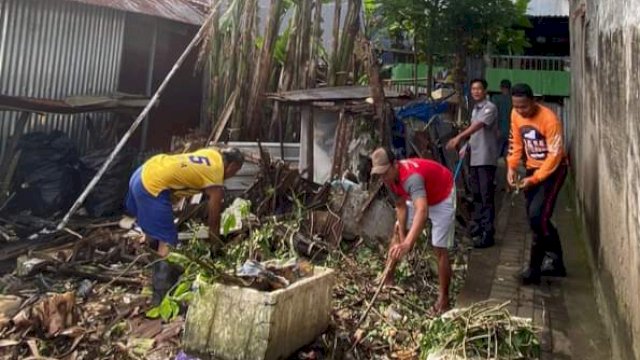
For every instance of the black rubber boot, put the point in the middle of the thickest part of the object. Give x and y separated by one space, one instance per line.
484 241
532 274
552 265
165 275
530 277
474 230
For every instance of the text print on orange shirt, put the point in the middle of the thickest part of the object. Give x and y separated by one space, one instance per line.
535 143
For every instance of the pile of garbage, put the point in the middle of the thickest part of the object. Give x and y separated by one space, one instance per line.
87 294
49 175
273 275
394 326
84 300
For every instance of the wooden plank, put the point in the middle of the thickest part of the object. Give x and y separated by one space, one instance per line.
224 119
10 161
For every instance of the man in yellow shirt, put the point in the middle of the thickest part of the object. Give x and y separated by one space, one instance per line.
163 176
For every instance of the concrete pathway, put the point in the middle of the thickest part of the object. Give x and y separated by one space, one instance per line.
564 308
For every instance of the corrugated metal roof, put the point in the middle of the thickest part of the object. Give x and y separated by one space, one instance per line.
56 49
554 8
185 11
329 94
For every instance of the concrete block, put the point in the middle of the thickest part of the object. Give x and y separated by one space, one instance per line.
376 224
232 323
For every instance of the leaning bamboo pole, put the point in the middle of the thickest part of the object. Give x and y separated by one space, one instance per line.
143 115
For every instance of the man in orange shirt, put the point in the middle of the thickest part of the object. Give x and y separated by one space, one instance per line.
537 130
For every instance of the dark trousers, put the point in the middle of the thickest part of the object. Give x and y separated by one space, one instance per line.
541 201
483 190
503 145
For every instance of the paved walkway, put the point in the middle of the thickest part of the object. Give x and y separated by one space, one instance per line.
564 308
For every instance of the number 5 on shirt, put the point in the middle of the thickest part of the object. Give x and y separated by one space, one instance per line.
199 160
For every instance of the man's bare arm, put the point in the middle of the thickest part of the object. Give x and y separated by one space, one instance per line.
214 206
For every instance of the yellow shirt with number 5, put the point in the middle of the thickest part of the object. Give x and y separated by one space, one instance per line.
184 174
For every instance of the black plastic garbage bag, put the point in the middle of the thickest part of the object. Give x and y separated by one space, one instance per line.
107 198
47 177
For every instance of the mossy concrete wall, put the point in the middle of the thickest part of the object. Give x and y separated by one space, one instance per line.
605 156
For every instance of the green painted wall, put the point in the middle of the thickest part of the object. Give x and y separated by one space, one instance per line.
550 83
404 71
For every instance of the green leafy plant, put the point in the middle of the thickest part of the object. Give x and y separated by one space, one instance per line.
195 259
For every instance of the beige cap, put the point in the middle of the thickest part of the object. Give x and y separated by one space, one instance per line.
380 161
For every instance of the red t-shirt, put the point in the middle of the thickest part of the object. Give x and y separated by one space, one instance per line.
438 180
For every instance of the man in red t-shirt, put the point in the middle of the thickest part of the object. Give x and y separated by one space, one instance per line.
423 189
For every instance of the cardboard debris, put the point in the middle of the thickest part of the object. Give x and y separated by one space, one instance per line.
9 307
52 314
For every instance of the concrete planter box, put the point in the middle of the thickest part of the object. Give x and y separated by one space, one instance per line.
232 323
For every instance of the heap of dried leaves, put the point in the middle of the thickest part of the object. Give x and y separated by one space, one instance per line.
85 300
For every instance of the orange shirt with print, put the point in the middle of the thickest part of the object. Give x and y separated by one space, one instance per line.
541 139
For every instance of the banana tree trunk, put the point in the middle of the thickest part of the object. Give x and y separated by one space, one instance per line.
333 64
263 72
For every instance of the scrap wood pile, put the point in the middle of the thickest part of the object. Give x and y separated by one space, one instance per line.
91 298
85 293
278 189
84 299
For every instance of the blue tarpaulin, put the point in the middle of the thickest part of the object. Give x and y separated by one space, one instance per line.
421 111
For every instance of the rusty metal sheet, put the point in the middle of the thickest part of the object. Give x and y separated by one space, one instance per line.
337 93
53 49
185 11
73 105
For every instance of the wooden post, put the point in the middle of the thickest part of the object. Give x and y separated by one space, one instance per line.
377 92
339 146
9 162
306 141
